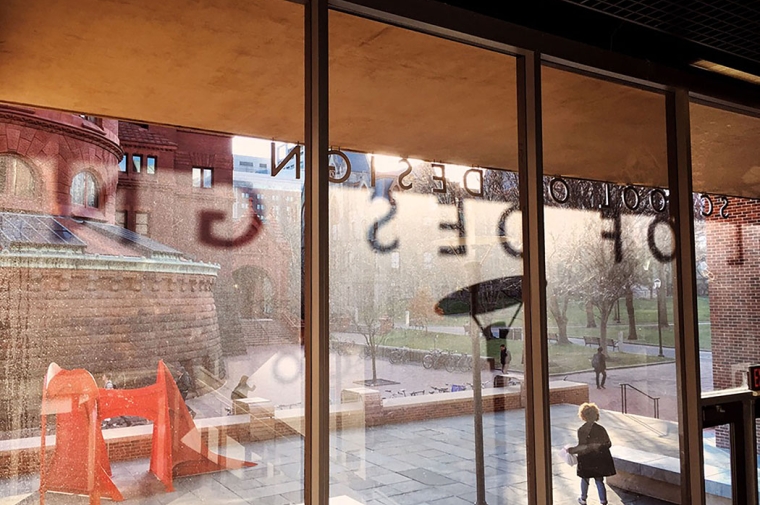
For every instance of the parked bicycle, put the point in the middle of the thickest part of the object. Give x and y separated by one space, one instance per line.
401 393
459 362
436 358
439 390
400 355
483 384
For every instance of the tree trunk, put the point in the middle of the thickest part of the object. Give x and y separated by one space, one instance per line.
560 317
563 339
373 355
590 319
562 331
632 335
604 315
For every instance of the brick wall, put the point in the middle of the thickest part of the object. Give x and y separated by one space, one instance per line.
268 332
104 321
733 260
58 146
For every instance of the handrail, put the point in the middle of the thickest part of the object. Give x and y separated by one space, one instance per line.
624 399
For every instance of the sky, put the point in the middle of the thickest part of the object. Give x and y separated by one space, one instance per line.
249 146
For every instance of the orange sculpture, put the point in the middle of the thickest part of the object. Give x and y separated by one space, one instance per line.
80 462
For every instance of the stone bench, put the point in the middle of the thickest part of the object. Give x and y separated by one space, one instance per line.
659 476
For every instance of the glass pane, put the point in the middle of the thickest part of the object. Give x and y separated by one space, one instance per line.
609 286
23 180
92 191
137 162
424 270
727 199
717 456
179 338
123 164
78 189
150 163
207 174
726 210
197 177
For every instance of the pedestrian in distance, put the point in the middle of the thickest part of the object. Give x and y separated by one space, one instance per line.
241 390
593 452
107 382
599 364
506 358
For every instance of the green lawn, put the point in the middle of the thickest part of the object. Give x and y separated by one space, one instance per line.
646 322
646 319
562 358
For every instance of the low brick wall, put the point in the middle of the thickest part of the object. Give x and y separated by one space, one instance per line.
360 407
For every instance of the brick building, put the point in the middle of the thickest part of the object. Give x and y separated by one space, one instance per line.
78 289
176 185
731 255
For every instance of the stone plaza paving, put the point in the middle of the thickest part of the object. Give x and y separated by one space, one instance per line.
425 462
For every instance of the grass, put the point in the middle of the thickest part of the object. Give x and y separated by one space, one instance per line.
562 358
645 311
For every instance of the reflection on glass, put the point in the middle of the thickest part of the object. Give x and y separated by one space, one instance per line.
150 165
136 163
717 457
153 334
425 270
726 212
609 259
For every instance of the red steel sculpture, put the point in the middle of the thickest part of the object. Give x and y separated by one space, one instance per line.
80 462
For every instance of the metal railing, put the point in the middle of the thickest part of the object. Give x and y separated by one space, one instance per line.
624 399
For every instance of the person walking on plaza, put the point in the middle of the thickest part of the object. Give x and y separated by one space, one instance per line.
506 358
593 452
599 364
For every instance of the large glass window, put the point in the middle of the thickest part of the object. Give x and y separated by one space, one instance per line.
151 344
425 270
726 217
609 277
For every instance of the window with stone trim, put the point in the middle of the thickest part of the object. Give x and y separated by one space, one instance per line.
16 176
120 218
84 190
150 164
141 223
203 177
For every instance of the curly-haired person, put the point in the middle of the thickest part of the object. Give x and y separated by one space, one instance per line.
593 452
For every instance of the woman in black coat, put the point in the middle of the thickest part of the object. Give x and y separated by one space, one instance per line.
593 451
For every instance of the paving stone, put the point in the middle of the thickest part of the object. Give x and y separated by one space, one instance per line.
421 496
427 477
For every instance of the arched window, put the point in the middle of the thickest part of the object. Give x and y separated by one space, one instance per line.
16 176
84 190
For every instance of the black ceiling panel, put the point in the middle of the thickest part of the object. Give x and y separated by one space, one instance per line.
725 25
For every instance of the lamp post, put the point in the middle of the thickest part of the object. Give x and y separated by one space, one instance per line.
657 284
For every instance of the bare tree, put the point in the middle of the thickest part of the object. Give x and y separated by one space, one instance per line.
605 279
373 324
563 278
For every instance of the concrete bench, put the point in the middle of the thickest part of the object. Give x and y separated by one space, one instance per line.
659 476
507 379
595 342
